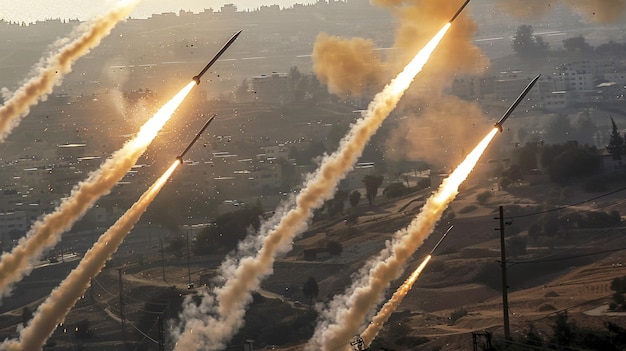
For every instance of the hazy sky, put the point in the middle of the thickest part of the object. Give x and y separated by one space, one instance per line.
32 10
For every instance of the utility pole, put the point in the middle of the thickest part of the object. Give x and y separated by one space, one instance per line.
91 292
122 318
161 335
189 285
505 297
162 256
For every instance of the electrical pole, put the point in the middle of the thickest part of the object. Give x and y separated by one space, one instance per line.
162 256
161 335
505 297
122 318
91 292
189 285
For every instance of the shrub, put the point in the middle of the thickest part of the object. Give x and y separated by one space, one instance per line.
334 248
394 190
468 209
457 314
483 197
516 245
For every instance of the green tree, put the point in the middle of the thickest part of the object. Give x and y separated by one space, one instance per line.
563 332
526 44
310 289
242 92
577 44
394 190
551 224
522 134
572 161
516 245
372 183
27 314
525 159
354 198
534 231
229 229
175 244
336 205
352 218
619 285
560 129
483 197
532 337
611 49
616 143
585 128
82 329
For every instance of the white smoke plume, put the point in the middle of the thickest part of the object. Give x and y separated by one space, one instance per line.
56 307
391 306
46 232
51 71
346 313
199 331
345 66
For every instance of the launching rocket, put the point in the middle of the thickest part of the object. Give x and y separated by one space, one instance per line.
517 101
217 56
440 240
459 11
206 125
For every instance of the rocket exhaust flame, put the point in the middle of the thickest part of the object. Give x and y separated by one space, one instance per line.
46 232
58 65
337 325
56 307
390 306
242 275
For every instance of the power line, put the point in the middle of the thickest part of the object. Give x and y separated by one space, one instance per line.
146 336
560 346
102 287
142 301
139 309
573 306
570 205
570 257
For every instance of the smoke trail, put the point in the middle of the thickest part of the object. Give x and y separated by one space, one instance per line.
202 332
62 299
345 313
349 66
428 108
439 132
46 232
345 66
58 65
392 305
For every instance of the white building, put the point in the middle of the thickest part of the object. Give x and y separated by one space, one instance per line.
276 151
12 221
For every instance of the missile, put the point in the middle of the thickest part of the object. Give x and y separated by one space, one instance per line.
206 125
440 240
459 11
517 101
217 56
